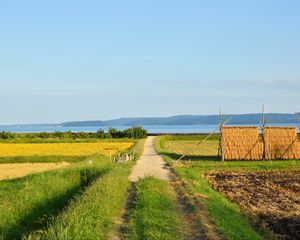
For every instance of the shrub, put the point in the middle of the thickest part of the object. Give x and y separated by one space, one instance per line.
7 135
135 132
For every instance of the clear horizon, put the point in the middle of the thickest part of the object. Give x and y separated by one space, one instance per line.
96 60
84 120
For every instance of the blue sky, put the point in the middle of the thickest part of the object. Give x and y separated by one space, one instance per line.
82 60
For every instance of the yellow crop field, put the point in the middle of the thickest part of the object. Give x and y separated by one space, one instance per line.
62 149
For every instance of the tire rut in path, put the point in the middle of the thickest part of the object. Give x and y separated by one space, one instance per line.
196 222
123 221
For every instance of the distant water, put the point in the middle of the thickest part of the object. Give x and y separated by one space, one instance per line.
150 128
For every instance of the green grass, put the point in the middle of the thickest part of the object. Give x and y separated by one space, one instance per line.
227 217
28 203
207 152
189 137
91 215
154 214
137 149
283 165
42 159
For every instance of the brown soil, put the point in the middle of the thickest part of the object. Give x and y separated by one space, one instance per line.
272 197
16 170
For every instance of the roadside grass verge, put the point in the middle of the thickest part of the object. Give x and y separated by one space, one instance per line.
93 214
154 214
27 204
243 165
137 148
229 221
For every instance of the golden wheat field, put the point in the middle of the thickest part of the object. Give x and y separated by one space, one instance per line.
16 170
62 149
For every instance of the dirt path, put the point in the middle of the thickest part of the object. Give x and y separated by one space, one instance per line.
149 164
16 170
152 164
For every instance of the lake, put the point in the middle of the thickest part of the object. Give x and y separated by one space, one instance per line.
150 128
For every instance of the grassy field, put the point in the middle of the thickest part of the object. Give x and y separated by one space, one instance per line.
28 203
173 147
154 214
188 147
91 215
229 220
77 202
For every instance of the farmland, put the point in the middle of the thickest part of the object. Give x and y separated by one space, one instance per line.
271 196
208 148
67 200
62 149
88 196
242 199
10 171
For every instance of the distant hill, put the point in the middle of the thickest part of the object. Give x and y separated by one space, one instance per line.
255 118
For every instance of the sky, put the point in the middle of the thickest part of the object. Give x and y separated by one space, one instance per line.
88 60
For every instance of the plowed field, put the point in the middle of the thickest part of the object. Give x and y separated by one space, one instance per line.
273 197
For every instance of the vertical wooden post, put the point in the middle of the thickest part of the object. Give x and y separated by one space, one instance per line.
263 124
220 152
298 122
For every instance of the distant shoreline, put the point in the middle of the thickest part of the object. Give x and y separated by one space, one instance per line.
152 129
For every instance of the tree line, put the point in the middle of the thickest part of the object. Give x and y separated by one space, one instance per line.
135 132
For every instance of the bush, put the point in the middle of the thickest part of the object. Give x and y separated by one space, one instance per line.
7 135
115 133
135 132
101 134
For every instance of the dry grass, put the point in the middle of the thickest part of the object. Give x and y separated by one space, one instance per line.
62 149
16 170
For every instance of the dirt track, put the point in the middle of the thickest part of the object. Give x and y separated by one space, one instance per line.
273 197
16 170
149 164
